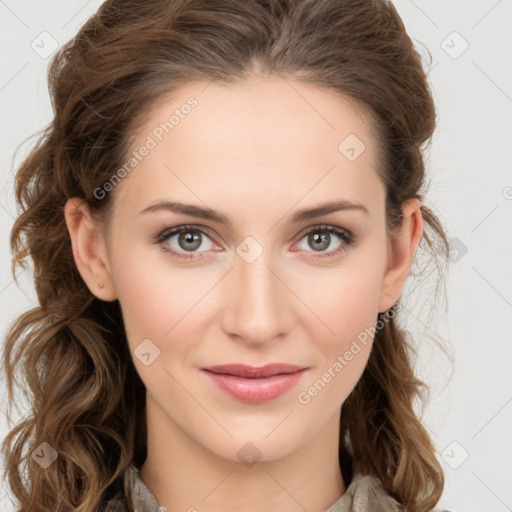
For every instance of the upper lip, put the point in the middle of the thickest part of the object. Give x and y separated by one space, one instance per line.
254 372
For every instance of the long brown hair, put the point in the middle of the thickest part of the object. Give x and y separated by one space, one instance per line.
87 400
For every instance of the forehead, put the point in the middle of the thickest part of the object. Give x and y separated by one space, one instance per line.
267 138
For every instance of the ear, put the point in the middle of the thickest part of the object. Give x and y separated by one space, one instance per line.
89 249
401 250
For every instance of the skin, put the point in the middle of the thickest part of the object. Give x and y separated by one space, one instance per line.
257 152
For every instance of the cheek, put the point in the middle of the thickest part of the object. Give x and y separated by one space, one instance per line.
344 351
150 299
161 303
346 300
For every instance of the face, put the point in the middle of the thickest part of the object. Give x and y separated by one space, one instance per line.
263 285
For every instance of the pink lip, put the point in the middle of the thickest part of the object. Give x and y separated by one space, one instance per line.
255 384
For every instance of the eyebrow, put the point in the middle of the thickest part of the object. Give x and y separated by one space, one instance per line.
214 215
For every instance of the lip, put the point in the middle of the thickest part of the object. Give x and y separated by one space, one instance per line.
255 384
254 372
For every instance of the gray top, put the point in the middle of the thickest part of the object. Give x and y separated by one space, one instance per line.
364 494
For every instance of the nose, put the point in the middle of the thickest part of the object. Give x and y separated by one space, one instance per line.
259 306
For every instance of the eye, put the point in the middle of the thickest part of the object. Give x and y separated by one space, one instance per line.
189 239
321 238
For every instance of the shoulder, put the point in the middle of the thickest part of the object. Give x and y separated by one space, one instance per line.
368 494
114 498
365 493
130 488
116 502
115 505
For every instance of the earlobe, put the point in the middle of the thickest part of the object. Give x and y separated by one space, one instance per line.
402 248
89 251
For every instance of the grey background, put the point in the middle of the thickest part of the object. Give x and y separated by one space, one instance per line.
470 410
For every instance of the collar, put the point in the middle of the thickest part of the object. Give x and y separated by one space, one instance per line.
364 494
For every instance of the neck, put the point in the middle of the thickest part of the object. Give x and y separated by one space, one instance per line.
183 474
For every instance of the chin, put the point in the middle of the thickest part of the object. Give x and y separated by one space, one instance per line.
249 449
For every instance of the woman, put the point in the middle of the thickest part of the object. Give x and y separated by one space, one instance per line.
222 216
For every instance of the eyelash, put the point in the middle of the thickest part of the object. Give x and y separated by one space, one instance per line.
347 237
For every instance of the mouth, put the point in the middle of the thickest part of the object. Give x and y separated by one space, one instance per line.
254 372
255 384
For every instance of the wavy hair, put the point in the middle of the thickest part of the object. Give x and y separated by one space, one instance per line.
71 352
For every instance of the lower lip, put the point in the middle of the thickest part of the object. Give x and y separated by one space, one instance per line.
255 391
